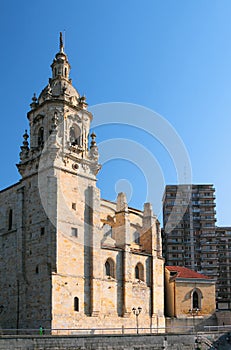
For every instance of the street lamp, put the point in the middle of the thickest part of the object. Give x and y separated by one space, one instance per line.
136 312
194 312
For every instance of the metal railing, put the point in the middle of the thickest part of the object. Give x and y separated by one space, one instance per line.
115 331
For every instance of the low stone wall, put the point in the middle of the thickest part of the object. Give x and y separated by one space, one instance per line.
118 342
126 342
183 325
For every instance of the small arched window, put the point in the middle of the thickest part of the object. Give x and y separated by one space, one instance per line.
41 136
75 136
76 304
37 269
10 219
65 72
55 72
195 300
139 272
110 268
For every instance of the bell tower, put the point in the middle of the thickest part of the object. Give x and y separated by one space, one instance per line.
59 126
58 165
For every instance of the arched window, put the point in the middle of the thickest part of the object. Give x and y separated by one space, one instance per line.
136 237
65 72
110 268
76 304
37 269
195 300
10 219
41 136
75 136
139 272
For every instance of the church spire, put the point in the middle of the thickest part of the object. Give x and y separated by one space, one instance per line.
60 66
61 46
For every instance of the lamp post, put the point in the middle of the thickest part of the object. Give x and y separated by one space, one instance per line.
136 312
194 312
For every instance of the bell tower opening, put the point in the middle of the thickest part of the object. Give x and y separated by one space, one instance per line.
75 136
41 137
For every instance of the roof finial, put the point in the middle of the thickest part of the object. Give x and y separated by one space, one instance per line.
61 47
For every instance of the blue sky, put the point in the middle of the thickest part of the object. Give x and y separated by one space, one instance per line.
170 56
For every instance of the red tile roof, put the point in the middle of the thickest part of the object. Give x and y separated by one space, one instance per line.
184 272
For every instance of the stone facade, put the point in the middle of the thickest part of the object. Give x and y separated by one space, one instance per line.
68 258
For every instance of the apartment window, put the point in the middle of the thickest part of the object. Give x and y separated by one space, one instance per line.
74 232
76 304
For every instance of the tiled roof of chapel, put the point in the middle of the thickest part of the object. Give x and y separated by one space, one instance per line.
184 272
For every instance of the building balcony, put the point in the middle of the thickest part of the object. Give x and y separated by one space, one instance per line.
206 259
208 234
207 204
209 247
208 196
171 260
224 279
209 212
202 218
208 251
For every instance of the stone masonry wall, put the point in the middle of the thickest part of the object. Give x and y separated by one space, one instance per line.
134 342
25 262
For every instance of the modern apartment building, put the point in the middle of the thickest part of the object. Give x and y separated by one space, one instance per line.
189 232
224 271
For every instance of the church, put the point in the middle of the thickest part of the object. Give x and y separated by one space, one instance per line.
70 259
